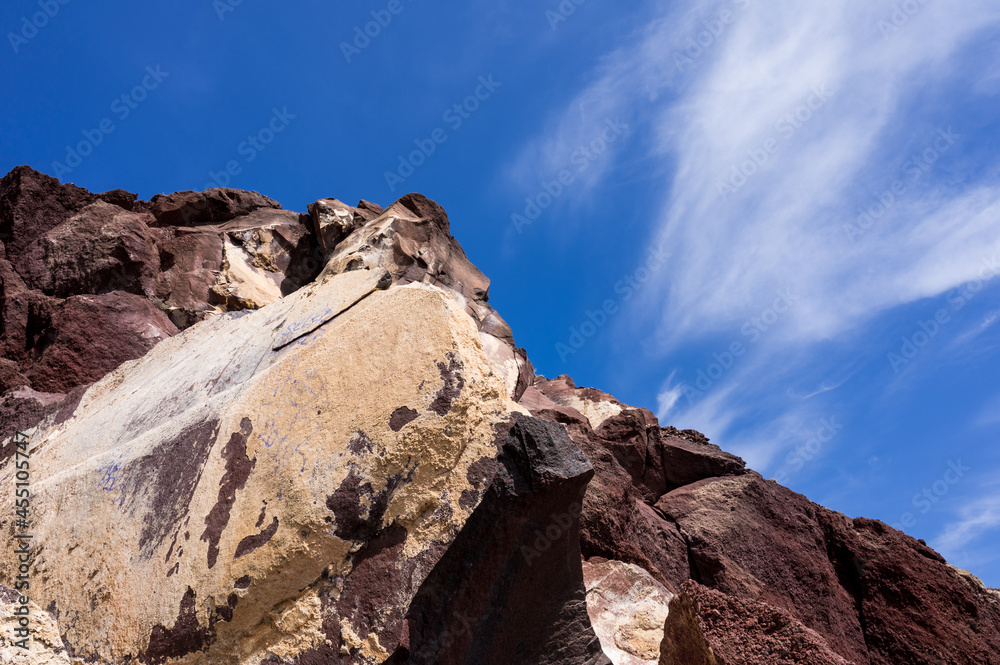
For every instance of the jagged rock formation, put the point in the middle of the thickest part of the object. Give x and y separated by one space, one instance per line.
78 268
265 438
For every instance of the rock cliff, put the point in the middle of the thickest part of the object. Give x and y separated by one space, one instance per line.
260 437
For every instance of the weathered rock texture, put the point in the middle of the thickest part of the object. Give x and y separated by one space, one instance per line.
266 438
45 647
679 507
628 609
707 627
77 268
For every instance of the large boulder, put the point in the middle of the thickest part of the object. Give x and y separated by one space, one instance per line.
100 249
213 206
411 239
628 609
32 203
305 483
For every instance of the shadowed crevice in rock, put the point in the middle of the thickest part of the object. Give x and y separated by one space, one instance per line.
683 641
491 599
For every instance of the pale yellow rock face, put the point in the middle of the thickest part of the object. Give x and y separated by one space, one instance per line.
213 459
628 609
594 411
251 285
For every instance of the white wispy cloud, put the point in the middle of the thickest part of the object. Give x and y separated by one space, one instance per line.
823 106
833 95
974 521
990 413
711 113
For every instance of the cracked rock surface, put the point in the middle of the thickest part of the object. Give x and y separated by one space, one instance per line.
260 437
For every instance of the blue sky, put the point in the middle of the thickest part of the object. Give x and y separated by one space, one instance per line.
773 222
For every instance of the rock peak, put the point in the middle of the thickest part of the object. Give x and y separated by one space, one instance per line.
264 437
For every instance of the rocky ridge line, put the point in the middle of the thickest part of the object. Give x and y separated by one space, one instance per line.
565 534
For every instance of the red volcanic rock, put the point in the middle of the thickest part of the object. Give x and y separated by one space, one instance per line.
202 267
16 303
21 409
369 210
707 627
100 249
213 206
874 594
737 527
32 203
853 588
636 462
612 524
688 459
188 254
190 262
89 336
10 376
915 608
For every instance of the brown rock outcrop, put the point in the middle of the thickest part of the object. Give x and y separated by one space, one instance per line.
69 260
707 627
211 207
305 439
